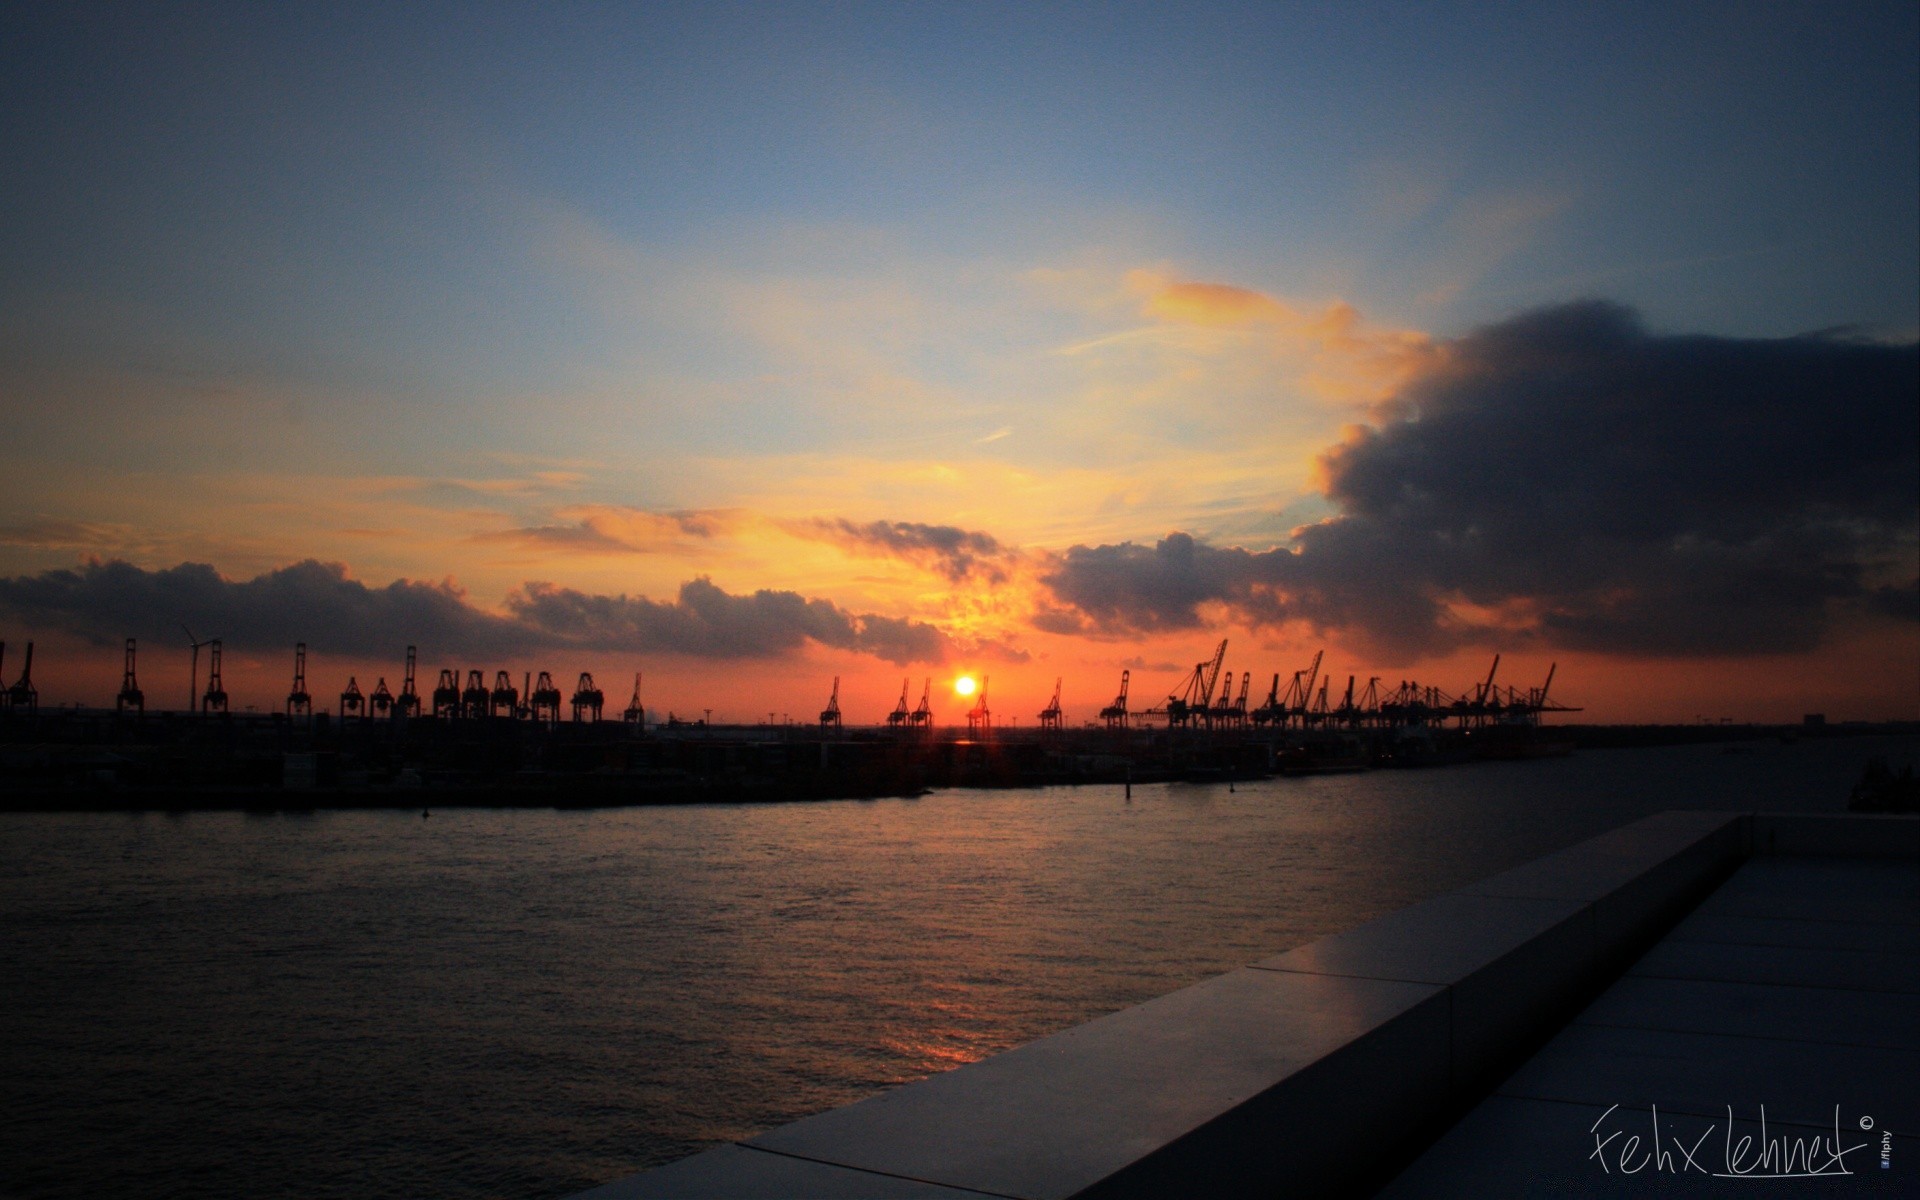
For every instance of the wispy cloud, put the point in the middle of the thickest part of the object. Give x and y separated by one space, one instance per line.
954 553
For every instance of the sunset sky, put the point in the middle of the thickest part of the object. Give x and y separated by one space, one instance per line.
750 346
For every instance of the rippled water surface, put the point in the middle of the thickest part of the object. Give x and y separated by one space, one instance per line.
525 1003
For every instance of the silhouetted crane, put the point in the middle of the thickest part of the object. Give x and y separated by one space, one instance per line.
353 700
504 698
474 698
587 698
298 701
1115 714
446 694
1050 716
1195 697
545 699
979 717
1368 709
1299 696
382 702
407 703
636 713
130 694
214 699
901 715
830 715
1271 711
23 694
922 717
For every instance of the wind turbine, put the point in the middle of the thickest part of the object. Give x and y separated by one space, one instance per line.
193 686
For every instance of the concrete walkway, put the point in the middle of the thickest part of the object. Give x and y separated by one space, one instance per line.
1794 987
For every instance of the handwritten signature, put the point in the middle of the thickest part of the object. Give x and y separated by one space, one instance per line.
1775 1156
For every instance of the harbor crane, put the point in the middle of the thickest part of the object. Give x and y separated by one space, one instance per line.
474 698
352 700
214 699
587 698
22 694
900 717
1317 711
979 717
382 702
1222 710
635 713
1271 711
446 694
1345 713
922 717
1195 697
407 703
130 694
1369 706
1299 696
299 703
1232 710
504 700
1115 714
830 715
544 700
1050 717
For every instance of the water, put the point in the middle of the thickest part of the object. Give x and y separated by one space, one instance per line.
525 1003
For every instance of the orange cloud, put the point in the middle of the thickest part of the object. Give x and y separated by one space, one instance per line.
1344 359
606 529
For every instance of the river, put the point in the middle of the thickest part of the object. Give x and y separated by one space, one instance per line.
523 1003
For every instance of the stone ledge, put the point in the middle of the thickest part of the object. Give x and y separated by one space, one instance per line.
1390 1026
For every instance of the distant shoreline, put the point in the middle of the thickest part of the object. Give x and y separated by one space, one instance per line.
656 788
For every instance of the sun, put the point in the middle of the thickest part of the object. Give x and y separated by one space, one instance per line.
965 685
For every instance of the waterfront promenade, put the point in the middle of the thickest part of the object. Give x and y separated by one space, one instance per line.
1690 961
1793 988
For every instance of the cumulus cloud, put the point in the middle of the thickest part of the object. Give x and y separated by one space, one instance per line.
707 622
307 602
1571 477
317 603
947 550
1146 589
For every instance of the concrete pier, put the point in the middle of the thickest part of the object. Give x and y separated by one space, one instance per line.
1328 1069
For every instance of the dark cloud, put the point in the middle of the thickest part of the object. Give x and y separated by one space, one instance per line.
316 603
1570 476
1146 589
310 601
706 622
1900 600
953 552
